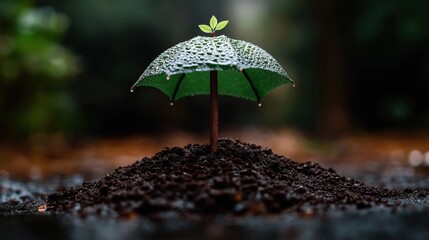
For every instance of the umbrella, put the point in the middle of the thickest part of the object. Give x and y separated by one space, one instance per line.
214 65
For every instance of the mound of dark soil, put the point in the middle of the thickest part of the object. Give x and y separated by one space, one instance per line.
239 179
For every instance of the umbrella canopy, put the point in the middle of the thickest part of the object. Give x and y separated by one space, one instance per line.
214 65
244 69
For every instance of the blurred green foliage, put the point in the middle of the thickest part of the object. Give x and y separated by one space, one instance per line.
379 49
389 51
371 56
34 72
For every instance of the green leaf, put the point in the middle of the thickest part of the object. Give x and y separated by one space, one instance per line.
205 28
222 25
213 22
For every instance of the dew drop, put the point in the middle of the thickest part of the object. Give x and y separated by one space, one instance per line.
293 84
259 104
132 89
168 77
171 104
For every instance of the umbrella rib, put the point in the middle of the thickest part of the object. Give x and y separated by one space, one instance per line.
252 85
176 89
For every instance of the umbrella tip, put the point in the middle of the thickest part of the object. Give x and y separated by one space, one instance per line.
171 103
132 89
259 104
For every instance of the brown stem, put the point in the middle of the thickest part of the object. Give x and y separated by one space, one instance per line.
214 129
214 109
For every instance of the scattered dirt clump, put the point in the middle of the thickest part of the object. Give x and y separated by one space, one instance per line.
239 179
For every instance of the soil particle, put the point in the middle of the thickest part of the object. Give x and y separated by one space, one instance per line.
238 180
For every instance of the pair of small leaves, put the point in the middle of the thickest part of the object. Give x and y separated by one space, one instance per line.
214 25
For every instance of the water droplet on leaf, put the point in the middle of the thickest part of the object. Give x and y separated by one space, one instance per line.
259 104
168 77
171 103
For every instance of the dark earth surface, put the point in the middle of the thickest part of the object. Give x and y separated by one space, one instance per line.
242 191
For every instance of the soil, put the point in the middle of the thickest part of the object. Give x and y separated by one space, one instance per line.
240 179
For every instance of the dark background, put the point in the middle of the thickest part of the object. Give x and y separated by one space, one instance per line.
66 66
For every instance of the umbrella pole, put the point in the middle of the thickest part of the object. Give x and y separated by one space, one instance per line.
214 129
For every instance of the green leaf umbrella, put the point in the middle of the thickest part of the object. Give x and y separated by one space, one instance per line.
214 65
244 70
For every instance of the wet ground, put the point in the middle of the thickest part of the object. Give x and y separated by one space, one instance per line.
24 216
379 223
